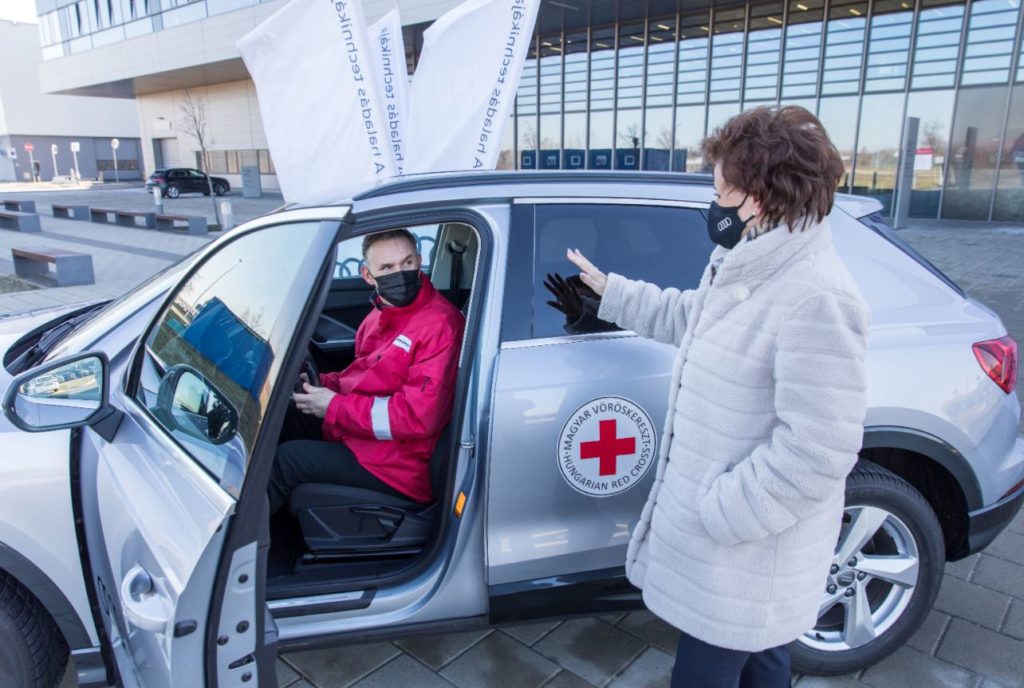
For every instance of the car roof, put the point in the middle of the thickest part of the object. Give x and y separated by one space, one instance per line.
494 184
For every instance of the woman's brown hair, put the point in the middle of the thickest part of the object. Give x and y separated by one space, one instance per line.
782 157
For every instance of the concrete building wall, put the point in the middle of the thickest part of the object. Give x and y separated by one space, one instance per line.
28 111
233 120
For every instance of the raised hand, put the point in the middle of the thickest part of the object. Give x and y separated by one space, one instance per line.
591 276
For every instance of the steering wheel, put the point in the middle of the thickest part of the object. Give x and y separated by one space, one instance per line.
310 369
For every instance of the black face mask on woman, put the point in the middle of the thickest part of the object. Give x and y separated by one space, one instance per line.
725 227
399 288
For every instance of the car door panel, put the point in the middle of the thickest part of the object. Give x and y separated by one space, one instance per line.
156 510
540 524
577 416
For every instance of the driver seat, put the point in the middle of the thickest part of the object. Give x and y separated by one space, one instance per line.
343 521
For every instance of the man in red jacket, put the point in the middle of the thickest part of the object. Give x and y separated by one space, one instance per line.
374 425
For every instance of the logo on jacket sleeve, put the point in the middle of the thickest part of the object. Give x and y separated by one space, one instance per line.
606 446
403 343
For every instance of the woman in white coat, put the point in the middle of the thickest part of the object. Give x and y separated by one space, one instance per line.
766 407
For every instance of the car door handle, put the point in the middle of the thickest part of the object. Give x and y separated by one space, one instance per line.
145 605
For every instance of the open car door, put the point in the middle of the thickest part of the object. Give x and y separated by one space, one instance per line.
171 490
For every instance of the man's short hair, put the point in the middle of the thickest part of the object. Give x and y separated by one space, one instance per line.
371 239
784 158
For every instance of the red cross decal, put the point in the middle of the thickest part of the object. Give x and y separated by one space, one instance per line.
609 448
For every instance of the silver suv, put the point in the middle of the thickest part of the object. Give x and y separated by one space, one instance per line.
134 526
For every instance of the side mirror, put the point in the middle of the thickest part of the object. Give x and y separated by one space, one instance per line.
68 393
190 404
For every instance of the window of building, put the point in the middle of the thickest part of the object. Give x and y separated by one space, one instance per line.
802 49
934 110
889 45
267 164
839 117
666 246
990 32
629 97
844 46
764 46
970 177
661 63
1009 202
727 55
694 37
938 46
550 103
574 120
526 113
602 98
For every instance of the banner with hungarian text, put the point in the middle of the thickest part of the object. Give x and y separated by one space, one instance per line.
465 85
314 68
393 77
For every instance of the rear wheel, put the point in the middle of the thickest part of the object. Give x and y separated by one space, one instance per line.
33 653
884 578
173 191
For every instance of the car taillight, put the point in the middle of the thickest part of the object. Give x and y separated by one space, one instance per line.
157 179
998 358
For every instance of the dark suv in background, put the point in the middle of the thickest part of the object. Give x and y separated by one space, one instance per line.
178 180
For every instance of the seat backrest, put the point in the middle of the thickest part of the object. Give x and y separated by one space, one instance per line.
443 257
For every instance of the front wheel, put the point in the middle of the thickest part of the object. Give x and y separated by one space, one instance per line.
33 653
220 189
886 572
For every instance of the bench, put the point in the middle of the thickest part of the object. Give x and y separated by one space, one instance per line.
124 218
22 206
71 268
71 212
195 224
22 222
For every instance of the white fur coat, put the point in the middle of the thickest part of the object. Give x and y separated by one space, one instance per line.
765 419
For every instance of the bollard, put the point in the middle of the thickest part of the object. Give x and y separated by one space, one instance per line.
226 215
158 199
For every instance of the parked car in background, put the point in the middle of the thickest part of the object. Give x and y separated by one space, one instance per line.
133 512
175 181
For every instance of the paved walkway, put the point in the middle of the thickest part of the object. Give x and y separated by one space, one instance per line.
973 638
122 256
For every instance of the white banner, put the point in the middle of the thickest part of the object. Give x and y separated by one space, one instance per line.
313 66
465 84
389 50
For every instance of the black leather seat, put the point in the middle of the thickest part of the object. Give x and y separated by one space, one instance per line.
352 521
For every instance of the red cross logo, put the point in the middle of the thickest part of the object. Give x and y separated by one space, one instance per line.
609 448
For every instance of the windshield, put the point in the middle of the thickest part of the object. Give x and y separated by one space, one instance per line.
90 331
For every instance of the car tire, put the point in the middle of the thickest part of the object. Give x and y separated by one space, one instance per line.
33 653
894 521
173 191
219 189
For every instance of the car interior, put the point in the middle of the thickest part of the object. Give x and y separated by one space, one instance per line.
329 535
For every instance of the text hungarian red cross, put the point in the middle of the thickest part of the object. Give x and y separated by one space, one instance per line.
608 448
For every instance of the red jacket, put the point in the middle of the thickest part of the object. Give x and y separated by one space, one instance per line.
396 397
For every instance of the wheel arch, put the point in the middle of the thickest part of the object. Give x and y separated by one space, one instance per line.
934 468
56 604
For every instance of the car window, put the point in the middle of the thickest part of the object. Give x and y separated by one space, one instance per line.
350 252
666 246
197 173
209 361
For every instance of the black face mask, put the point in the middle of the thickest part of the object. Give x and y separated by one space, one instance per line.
399 288
725 227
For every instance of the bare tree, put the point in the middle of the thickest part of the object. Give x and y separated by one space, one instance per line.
631 137
195 123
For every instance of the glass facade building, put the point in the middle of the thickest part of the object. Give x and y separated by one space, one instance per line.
641 92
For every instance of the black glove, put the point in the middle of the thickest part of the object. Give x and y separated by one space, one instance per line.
579 303
567 298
